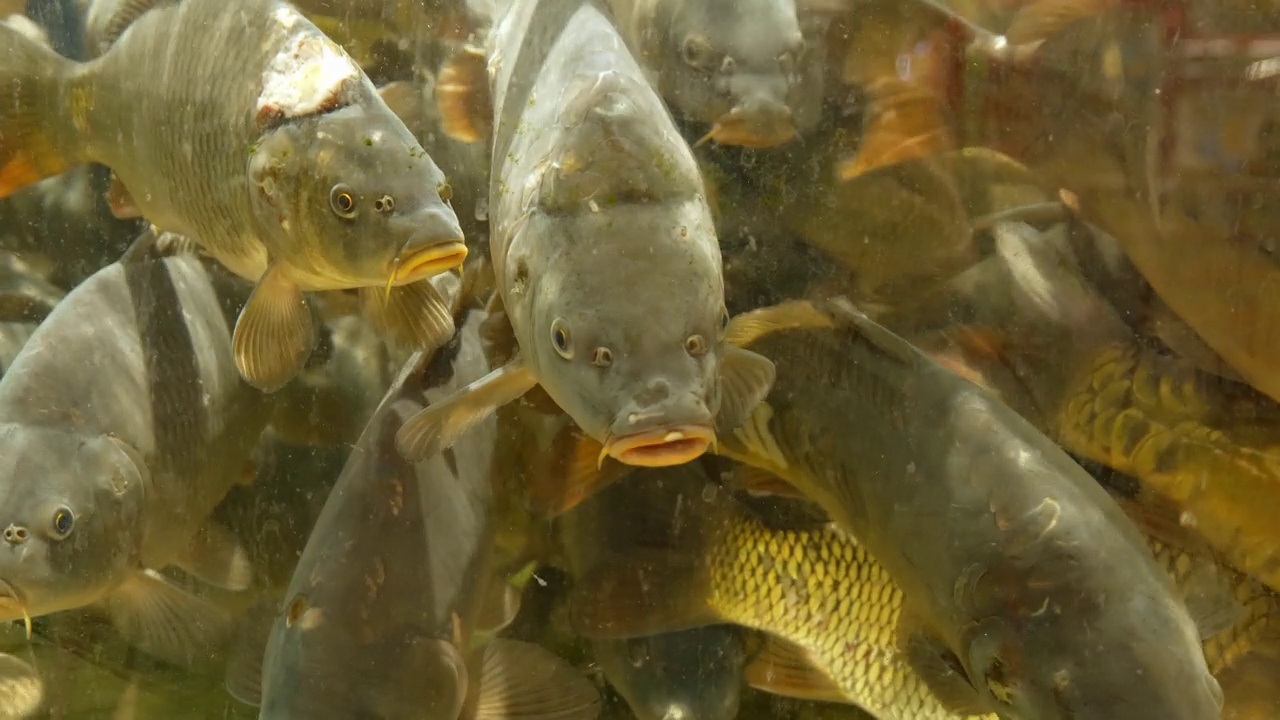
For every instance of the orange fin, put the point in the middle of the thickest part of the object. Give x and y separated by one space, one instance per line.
1041 20
647 592
570 472
462 96
31 83
906 123
784 668
122 205
757 481
408 102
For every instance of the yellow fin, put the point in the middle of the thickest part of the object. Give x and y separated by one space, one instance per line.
647 592
462 96
906 123
414 315
163 620
216 556
31 85
745 381
525 681
749 327
1046 18
439 425
570 472
784 668
275 334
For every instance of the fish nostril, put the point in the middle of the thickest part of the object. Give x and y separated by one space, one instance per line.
15 534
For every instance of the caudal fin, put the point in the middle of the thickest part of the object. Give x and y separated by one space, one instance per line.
31 77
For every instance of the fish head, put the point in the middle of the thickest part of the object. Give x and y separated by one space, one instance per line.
1078 672
350 195
734 65
627 341
70 518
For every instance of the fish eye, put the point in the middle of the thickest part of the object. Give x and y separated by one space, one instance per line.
64 521
724 322
561 339
697 52
384 204
342 201
445 191
696 345
602 357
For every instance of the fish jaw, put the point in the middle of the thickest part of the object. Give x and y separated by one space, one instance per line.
754 126
429 262
661 447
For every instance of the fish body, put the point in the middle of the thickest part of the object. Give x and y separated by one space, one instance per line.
751 69
378 619
820 591
1003 544
693 673
592 184
124 423
279 157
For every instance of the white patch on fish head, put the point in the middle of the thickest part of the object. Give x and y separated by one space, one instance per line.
70 518
623 323
310 74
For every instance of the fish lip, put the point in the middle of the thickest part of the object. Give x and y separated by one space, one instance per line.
737 128
658 447
11 600
430 262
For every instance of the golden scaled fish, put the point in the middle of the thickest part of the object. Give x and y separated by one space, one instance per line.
1002 544
604 191
838 625
241 125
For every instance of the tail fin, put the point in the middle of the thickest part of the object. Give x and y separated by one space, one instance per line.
31 77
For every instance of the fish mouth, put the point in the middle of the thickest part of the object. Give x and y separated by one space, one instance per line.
429 262
662 447
744 131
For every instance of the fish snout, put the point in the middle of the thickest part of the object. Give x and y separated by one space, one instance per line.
756 121
426 255
667 430
16 534
12 603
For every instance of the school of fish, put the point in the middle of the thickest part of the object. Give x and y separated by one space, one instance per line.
653 359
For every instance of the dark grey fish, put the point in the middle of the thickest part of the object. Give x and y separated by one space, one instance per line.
123 423
379 618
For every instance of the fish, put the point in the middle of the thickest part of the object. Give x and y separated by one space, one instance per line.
379 617
21 688
694 673
750 69
281 161
1003 544
123 423
834 617
607 189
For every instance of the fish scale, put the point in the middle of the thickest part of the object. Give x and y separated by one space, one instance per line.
172 187
823 591
1144 415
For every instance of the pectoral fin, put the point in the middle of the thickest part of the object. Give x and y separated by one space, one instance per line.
275 334
574 469
163 620
462 96
439 425
745 381
746 329
414 315
785 668
243 679
943 673
21 689
216 556
523 680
